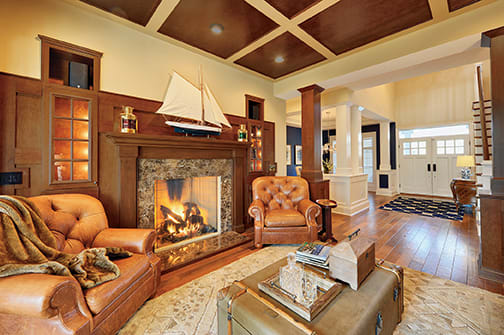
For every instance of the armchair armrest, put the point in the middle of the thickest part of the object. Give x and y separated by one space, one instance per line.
310 210
256 210
44 297
139 241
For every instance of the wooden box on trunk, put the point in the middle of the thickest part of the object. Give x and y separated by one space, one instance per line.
352 261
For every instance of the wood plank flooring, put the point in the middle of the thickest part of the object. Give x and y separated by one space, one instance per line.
448 249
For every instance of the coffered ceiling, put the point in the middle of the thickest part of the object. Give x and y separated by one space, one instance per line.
275 38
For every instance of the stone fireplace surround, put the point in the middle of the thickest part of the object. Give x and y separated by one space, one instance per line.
150 170
126 160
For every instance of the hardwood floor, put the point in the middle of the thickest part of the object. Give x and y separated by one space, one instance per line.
447 249
444 248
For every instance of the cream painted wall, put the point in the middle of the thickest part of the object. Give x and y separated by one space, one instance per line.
378 99
443 97
133 63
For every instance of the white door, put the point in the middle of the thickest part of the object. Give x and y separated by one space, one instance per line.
369 158
427 165
414 166
444 161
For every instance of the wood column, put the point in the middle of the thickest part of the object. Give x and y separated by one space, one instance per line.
492 205
311 135
311 132
495 38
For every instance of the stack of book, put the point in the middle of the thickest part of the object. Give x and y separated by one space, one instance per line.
314 254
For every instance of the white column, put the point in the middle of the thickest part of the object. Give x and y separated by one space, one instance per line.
348 186
356 138
343 140
385 145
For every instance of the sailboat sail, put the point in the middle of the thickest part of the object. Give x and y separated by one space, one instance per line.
186 101
216 116
182 99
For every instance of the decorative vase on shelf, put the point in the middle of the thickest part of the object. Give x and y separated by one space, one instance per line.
242 133
128 121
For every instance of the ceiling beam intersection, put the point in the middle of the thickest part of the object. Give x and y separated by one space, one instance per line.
290 25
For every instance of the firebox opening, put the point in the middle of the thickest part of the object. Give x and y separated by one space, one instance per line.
186 210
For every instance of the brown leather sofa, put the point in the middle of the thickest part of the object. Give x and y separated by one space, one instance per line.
48 304
282 211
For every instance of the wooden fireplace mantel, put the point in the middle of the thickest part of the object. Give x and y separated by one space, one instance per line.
118 169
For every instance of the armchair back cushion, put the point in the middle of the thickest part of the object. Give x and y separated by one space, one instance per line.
74 219
280 192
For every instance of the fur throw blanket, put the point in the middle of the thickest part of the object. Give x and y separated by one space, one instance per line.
28 246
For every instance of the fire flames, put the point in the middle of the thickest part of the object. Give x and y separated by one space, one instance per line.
192 228
185 214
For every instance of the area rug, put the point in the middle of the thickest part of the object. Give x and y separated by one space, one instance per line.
433 208
432 305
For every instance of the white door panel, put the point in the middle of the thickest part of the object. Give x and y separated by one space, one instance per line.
414 157
441 176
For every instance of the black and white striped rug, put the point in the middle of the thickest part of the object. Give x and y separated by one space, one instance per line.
433 208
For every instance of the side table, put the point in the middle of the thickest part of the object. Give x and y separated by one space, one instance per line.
327 205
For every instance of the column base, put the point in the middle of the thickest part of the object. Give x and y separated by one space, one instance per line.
349 191
387 183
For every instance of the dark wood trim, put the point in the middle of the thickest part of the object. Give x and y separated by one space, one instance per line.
69 46
52 43
494 33
118 171
249 98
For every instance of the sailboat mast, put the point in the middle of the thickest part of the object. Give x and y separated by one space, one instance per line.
201 90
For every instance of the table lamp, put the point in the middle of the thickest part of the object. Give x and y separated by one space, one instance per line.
466 163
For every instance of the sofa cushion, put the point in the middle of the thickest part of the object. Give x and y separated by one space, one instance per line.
284 218
102 295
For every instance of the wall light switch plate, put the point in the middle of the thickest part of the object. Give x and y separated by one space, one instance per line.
11 178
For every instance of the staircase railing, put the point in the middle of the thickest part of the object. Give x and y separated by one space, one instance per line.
484 135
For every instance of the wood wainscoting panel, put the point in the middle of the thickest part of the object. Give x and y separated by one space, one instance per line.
20 132
492 237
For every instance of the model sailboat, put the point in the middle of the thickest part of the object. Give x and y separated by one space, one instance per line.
187 103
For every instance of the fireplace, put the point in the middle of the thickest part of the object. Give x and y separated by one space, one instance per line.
186 210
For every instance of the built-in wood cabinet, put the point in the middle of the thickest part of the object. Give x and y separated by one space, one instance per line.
70 84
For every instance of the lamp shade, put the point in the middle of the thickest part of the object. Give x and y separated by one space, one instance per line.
465 161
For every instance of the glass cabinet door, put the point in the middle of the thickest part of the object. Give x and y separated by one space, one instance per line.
71 130
256 150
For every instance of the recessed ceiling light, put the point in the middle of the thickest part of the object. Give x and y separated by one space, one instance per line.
279 59
216 28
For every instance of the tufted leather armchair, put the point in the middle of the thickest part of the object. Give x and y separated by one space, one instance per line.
48 304
282 211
